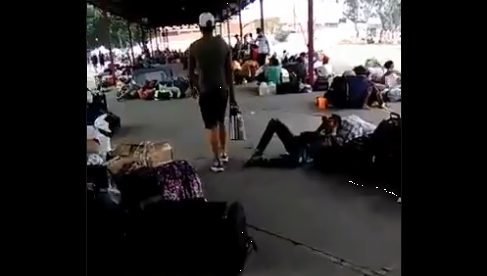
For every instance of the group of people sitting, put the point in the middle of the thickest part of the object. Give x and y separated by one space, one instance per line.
250 71
339 144
361 88
293 69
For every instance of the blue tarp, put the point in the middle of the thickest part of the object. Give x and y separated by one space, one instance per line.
162 73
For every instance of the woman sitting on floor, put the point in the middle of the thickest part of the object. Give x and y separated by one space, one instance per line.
273 71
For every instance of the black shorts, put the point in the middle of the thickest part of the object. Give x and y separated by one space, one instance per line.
213 105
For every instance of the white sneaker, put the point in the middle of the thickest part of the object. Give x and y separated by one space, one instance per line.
217 166
224 158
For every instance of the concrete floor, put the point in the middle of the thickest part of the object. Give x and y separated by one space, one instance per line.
326 212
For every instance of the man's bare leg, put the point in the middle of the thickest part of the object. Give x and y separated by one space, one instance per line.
222 135
215 148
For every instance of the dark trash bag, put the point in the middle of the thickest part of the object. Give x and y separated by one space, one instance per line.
96 108
187 238
386 147
105 230
321 84
287 88
338 95
114 124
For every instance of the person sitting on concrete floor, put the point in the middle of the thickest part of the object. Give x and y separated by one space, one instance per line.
362 92
334 131
273 71
249 69
391 76
354 90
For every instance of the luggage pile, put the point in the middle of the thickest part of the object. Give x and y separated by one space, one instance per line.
373 157
175 88
147 215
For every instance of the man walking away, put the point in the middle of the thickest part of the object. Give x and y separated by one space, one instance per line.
263 46
211 57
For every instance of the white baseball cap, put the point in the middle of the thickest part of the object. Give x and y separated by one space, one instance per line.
207 20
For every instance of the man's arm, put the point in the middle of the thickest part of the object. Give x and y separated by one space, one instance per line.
191 67
229 74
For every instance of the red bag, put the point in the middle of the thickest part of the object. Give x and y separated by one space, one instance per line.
255 54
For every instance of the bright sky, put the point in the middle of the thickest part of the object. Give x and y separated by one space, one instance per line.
324 10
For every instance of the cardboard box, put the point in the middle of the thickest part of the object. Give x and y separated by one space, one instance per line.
151 154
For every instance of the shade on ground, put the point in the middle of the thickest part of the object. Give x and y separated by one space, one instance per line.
326 212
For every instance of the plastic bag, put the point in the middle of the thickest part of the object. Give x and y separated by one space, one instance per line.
92 132
236 124
263 89
285 75
271 88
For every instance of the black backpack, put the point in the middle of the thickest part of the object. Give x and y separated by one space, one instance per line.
386 149
190 237
338 94
387 136
239 243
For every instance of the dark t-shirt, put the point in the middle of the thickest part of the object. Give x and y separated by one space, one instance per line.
210 55
358 86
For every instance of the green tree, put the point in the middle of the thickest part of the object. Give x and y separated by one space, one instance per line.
389 12
271 24
118 32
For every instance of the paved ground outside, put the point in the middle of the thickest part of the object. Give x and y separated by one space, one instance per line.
362 226
325 212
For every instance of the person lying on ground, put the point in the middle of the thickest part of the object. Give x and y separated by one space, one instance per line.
333 131
147 91
273 71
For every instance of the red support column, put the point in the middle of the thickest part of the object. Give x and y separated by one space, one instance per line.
261 2
106 25
311 49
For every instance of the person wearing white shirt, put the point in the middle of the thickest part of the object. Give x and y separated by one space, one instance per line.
391 77
263 46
